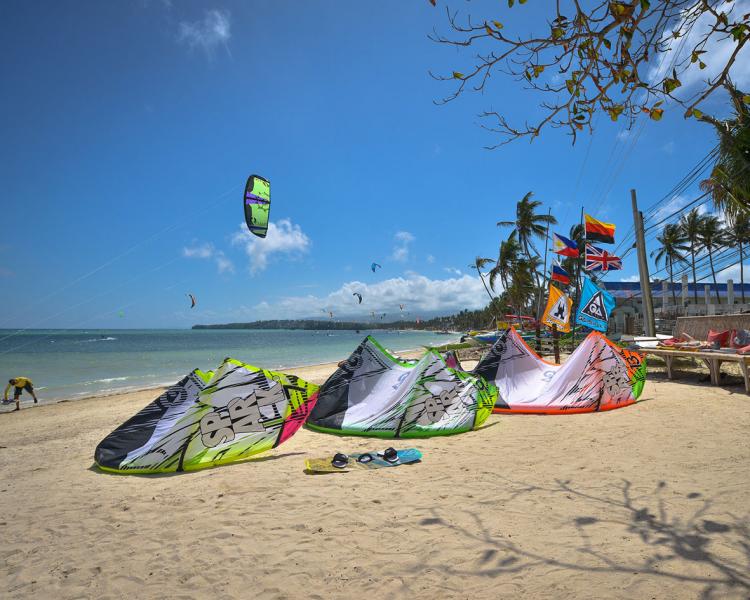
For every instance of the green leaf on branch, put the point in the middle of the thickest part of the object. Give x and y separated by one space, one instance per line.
497 24
671 84
645 5
656 113
538 70
457 75
557 33
615 111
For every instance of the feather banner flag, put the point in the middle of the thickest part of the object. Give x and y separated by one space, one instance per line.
598 231
564 246
595 307
557 311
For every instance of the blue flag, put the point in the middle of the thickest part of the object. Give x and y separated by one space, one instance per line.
595 306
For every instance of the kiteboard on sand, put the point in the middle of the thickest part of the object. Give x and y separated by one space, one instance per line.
366 460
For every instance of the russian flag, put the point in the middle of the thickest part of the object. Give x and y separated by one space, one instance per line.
560 274
564 246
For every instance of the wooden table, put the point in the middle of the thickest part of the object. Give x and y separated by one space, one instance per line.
713 361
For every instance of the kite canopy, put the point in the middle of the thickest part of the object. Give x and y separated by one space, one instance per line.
192 300
359 297
375 394
209 419
597 376
257 204
374 266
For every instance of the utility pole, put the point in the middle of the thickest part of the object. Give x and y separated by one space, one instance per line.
640 244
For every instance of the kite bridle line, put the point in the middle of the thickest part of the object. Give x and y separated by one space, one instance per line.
101 315
174 226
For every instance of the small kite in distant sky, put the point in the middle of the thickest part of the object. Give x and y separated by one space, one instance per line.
257 204
359 297
192 300
374 266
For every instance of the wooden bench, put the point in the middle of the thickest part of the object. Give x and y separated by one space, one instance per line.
713 361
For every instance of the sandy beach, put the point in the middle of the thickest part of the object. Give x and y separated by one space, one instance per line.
650 501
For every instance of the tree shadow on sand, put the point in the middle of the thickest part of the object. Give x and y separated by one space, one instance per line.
667 542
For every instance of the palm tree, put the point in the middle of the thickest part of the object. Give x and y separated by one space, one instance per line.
738 233
711 235
508 256
673 246
690 225
729 182
522 288
530 225
479 264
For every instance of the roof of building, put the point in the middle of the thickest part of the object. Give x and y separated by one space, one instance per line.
632 289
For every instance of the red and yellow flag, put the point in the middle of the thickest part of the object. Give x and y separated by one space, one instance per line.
598 231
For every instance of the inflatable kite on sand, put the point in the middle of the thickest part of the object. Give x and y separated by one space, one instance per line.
375 394
209 419
597 376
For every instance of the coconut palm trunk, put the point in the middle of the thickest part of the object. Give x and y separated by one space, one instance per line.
742 274
671 284
695 279
713 274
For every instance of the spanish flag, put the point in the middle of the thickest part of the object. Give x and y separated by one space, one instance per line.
596 231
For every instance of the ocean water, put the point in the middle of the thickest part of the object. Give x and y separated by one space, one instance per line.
69 364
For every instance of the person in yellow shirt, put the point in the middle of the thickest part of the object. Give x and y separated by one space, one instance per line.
20 384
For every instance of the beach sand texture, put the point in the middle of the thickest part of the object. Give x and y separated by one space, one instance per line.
650 501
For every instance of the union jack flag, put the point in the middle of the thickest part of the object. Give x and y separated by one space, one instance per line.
601 260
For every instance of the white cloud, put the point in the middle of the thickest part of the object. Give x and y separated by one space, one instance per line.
417 292
214 30
283 238
453 270
675 204
631 278
430 259
717 54
207 250
623 134
403 239
668 148
733 272
204 250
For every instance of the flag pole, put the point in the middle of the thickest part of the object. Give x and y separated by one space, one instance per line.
539 301
578 284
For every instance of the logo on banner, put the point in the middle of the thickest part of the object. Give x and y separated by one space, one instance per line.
595 309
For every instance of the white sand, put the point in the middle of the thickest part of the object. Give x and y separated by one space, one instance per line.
650 501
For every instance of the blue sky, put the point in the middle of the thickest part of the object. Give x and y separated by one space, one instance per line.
129 129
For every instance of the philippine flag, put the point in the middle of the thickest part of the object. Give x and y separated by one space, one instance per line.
564 246
560 274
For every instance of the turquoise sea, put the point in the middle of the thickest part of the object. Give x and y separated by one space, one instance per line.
69 364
